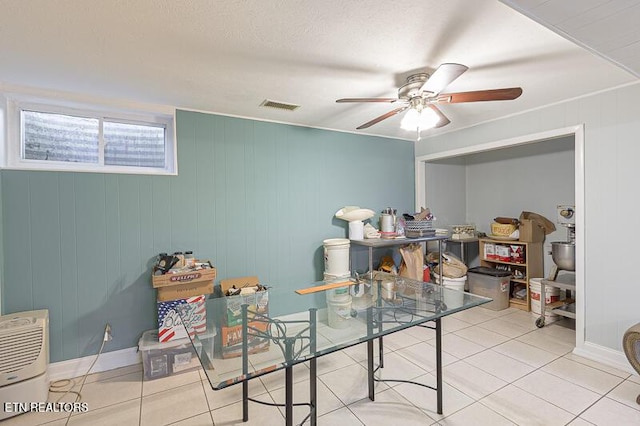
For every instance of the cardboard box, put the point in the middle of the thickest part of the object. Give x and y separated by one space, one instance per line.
258 301
231 340
531 232
534 227
184 291
503 253
184 285
490 251
170 325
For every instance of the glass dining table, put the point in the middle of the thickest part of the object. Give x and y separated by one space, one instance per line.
253 334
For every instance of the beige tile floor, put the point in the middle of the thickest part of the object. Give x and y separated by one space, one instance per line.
499 370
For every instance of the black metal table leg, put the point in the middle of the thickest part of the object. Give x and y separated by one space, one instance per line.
313 387
288 373
439 365
313 397
370 370
245 401
379 305
245 364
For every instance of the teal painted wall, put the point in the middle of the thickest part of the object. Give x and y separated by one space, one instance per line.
256 198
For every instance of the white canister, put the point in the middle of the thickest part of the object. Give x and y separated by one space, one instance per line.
336 256
386 223
356 230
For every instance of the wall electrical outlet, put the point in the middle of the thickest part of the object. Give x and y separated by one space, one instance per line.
107 333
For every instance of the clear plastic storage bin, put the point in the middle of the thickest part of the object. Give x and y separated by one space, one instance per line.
490 282
166 359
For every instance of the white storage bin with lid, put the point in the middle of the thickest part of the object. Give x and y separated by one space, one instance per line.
169 358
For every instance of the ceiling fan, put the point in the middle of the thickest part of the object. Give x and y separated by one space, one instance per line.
422 92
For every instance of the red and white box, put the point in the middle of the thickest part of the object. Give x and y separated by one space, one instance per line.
503 253
517 254
489 251
170 324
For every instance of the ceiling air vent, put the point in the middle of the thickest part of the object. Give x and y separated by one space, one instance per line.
279 105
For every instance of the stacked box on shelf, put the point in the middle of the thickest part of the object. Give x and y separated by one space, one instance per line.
187 288
231 319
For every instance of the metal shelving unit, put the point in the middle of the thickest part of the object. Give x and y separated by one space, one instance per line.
375 243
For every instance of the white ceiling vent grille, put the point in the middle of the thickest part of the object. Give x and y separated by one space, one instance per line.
279 105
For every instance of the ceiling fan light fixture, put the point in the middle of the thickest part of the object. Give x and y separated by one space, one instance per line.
428 119
414 120
411 120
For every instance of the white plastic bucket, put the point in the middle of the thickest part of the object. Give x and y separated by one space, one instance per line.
455 299
336 256
339 313
551 294
356 230
331 277
340 294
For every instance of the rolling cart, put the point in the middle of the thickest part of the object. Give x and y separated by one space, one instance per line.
566 307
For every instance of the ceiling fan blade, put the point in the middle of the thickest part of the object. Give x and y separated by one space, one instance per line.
382 117
443 118
442 77
389 100
480 95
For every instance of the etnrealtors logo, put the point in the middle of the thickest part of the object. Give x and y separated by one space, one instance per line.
45 407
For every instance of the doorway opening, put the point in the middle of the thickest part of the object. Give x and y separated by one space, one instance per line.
428 166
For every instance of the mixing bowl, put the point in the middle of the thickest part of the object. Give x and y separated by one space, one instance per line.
564 255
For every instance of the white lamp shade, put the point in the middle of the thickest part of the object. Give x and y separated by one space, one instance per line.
411 120
414 120
428 118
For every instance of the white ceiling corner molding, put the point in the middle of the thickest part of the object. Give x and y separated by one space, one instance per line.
607 28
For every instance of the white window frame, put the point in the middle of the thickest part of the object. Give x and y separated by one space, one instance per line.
14 149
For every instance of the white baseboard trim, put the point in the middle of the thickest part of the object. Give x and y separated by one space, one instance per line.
604 355
107 361
124 357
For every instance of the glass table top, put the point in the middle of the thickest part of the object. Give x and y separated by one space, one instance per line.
310 325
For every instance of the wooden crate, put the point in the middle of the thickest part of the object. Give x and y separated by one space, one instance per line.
195 276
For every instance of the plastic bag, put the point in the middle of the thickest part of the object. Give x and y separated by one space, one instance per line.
452 267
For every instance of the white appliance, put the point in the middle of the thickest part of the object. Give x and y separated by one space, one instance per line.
24 358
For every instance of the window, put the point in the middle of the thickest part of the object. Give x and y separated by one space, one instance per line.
89 138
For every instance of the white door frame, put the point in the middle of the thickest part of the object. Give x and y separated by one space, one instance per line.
578 133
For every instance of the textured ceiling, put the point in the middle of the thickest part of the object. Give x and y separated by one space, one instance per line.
607 27
228 56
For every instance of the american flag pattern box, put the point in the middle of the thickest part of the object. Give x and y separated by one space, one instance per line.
170 325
